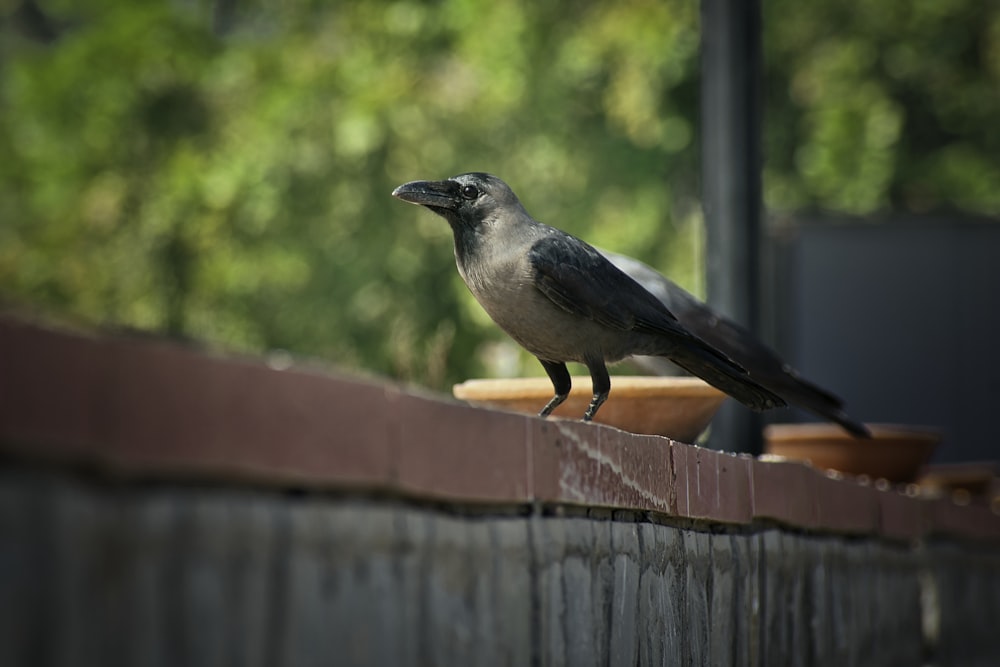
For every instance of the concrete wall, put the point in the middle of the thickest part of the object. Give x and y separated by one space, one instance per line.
162 506
100 573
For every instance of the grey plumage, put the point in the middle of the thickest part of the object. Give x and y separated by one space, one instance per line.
560 298
763 363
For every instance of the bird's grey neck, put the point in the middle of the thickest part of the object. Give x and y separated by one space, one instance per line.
469 239
494 235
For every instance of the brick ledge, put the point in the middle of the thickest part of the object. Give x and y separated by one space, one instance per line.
149 407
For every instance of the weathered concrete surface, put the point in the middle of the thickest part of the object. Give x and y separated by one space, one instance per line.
106 574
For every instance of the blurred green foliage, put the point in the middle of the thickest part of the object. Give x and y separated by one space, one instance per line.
883 105
222 171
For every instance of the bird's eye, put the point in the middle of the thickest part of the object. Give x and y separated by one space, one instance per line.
470 191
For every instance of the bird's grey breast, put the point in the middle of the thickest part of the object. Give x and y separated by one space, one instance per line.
494 270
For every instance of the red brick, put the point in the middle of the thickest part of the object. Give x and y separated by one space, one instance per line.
450 450
635 470
682 463
566 461
592 464
703 487
901 516
175 408
54 391
735 502
711 485
782 491
844 505
151 407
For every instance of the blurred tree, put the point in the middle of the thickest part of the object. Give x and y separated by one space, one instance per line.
235 187
221 171
891 104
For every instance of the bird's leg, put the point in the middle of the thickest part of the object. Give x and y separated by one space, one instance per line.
561 382
602 387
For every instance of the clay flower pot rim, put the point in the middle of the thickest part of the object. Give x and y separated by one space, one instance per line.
675 407
622 386
884 434
894 452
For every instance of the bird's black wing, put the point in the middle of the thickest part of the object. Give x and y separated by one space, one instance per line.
578 279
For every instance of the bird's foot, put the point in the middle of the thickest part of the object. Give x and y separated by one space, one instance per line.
552 405
595 403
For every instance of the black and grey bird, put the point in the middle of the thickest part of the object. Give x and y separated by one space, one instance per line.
560 298
739 344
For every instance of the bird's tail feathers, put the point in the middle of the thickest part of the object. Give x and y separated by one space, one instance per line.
838 415
799 391
726 375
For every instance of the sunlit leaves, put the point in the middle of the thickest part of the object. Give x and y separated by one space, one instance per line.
882 105
227 177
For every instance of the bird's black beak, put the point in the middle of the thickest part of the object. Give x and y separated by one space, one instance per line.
435 195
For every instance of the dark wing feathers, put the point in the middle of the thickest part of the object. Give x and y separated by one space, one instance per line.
759 358
578 279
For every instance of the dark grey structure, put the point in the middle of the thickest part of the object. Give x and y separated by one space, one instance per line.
731 182
901 317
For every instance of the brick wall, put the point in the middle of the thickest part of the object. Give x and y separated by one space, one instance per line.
146 487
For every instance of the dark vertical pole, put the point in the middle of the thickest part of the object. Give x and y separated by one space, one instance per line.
731 190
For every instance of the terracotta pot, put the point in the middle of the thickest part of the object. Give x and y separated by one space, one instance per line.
967 480
894 452
676 407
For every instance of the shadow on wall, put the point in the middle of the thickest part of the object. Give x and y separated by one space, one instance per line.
901 318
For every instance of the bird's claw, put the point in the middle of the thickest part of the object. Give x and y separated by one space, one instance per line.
554 403
595 403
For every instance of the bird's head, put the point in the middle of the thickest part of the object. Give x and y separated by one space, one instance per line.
465 201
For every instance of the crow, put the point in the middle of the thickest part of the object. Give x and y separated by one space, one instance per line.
561 299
